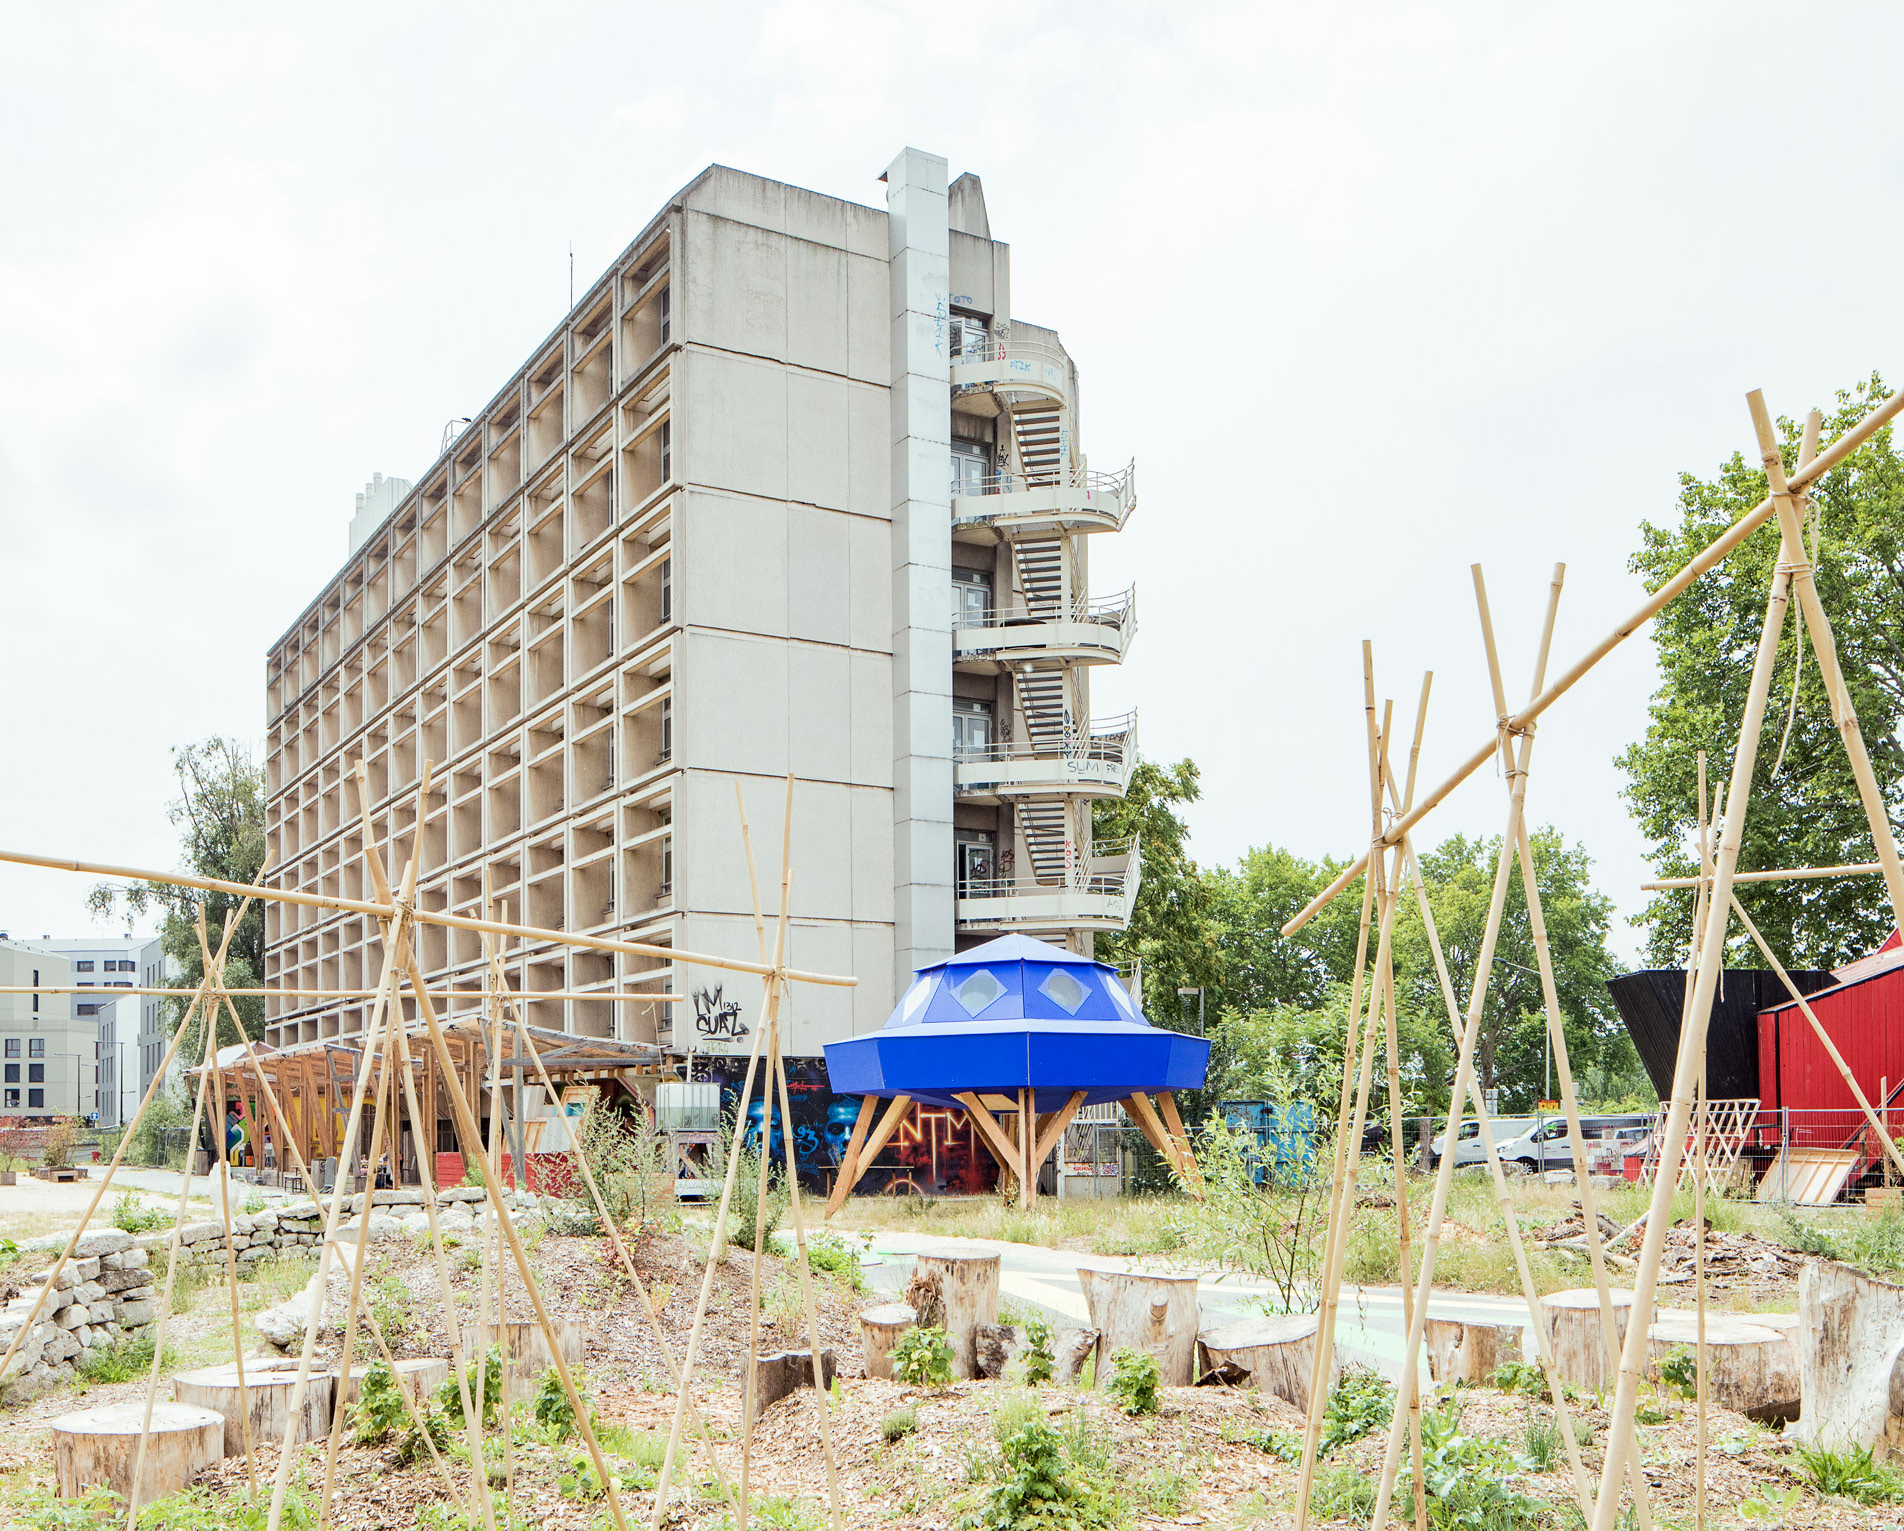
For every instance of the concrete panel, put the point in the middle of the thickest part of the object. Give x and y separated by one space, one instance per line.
739 275
869 587
874 999
727 193
816 306
743 445
818 449
872 822
817 1014
866 231
733 714
969 272
822 827
737 550
925 468
869 490
811 215
819 723
922 664
871 725
819 574
868 319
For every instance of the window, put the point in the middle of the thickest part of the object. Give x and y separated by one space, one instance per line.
667 450
36 1073
969 337
971 728
667 590
120 983
36 1047
971 597
667 865
977 865
36 1099
88 984
85 967
13 1047
667 728
969 462
13 1073
665 306
128 966
13 1098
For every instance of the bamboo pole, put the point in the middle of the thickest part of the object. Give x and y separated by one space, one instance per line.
425 917
115 993
1787 874
1714 554
1464 1067
1692 1043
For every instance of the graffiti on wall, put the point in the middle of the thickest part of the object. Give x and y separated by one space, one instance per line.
717 1020
934 1152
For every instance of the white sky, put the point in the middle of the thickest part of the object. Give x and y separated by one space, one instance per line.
1369 292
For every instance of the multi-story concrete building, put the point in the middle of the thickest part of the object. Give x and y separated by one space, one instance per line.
791 490
127 1030
49 1062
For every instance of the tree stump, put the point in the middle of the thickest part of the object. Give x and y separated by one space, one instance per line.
968 1297
1850 1360
776 1376
998 1345
527 1350
418 1376
1273 1355
1154 1313
1573 1328
995 1347
1750 1369
879 1331
1464 1352
268 1388
100 1445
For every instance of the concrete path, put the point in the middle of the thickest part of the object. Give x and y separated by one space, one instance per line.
1369 1323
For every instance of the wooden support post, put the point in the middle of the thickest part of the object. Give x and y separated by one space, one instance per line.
848 1172
1186 1156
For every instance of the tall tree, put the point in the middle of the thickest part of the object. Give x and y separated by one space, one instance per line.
1169 921
219 814
1804 808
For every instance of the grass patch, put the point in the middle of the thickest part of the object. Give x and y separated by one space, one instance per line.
126 1359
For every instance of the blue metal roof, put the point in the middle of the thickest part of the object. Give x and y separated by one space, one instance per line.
1011 1014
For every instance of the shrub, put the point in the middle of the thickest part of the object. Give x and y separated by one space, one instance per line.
898 1425
923 1358
1040 1363
552 1408
1679 1370
450 1397
390 1305
1041 1486
1470 1482
57 1147
1343 1494
835 1256
1134 1381
378 1407
1362 1401
1522 1377
128 1216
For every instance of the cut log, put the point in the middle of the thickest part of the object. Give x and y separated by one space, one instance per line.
1850 1360
1464 1352
418 1376
1154 1313
776 1376
98 1446
1750 1369
879 1331
995 1347
1573 1327
968 1297
1273 1355
999 1345
1071 1347
268 1388
528 1350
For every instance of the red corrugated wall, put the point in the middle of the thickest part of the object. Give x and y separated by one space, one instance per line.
1865 1021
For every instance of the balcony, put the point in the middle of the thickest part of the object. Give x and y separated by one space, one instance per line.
1097 895
1011 366
1097 764
1072 500
1091 632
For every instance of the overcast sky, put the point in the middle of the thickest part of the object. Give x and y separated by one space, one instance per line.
1369 292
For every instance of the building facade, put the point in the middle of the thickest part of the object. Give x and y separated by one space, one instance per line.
127 1030
791 491
49 1063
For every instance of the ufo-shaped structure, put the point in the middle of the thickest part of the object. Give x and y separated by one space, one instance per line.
1021 1028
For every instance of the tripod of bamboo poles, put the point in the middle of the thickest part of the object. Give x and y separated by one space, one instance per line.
767 1038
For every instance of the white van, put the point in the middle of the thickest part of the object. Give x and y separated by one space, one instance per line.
1545 1147
1468 1149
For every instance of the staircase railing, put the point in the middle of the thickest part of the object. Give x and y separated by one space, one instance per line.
1119 611
1110 741
1122 484
1086 874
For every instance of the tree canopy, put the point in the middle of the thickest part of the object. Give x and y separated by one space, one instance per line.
219 814
1804 808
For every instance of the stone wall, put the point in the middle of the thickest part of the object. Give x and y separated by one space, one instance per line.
106 1291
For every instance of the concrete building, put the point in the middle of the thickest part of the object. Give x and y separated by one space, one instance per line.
48 1057
127 1030
792 489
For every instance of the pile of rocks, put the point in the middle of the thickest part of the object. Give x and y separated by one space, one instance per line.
105 1292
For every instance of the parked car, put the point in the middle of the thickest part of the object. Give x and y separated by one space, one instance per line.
1546 1146
1468 1149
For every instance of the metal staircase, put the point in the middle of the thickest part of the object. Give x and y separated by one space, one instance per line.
1040 565
1040 433
1047 830
1044 699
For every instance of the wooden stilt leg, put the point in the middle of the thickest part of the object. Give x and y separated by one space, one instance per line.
849 1161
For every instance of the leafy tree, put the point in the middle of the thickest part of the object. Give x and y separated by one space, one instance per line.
220 817
1804 808
1169 926
1257 966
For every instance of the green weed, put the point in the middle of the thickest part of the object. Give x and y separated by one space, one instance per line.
923 1358
1852 1474
898 1425
1134 1381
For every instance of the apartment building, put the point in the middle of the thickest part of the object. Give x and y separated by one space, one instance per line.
130 1044
48 1057
791 490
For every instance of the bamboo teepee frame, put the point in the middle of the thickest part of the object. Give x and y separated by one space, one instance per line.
385 1055
1716 904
